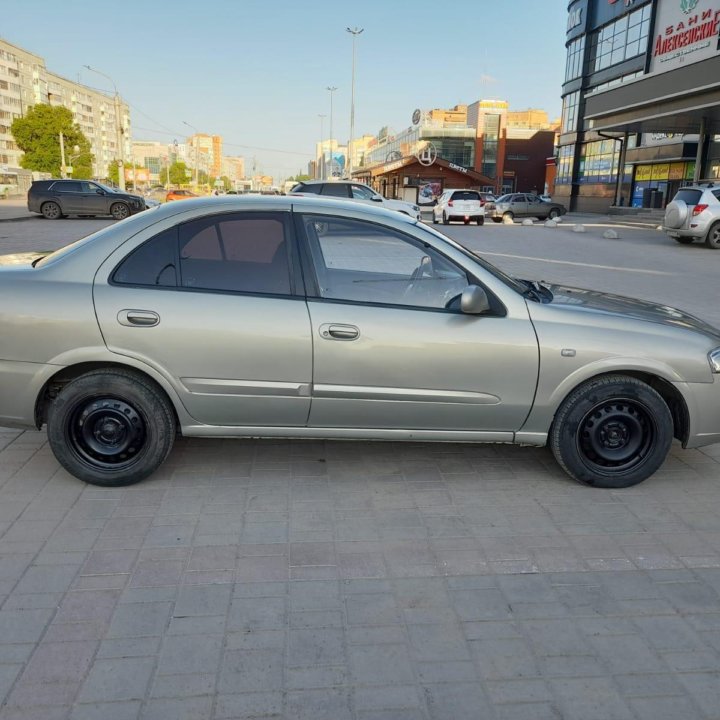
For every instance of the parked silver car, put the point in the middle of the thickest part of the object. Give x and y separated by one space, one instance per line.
694 214
303 317
522 205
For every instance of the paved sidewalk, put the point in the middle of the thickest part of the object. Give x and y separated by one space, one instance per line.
357 581
15 208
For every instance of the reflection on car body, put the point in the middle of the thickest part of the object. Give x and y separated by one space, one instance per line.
304 317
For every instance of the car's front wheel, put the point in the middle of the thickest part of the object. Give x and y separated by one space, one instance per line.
446 220
712 239
119 211
612 432
51 211
111 427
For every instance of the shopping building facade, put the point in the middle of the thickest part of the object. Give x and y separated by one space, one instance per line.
641 102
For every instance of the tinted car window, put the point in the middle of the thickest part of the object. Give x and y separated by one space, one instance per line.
466 195
367 263
153 263
315 189
690 196
335 189
75 187
239 253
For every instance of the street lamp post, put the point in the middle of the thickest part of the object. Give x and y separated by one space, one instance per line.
319 172
354 32
331 90
118 129
196 149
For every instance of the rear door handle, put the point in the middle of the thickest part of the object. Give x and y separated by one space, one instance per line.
138 318
336 331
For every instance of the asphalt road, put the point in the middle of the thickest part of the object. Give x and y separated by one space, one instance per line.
303 580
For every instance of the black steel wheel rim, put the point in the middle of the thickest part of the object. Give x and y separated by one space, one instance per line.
616 436
106 433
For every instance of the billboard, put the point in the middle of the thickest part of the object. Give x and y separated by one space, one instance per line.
685 31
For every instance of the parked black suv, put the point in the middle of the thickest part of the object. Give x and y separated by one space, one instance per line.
59 198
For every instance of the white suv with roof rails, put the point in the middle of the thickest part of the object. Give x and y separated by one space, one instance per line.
349 190
694 214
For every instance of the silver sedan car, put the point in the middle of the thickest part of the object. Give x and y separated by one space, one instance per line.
303 317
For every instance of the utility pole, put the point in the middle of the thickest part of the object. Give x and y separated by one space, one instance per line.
354 32
332 90
63 174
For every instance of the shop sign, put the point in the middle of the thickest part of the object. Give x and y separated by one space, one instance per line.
643 172
660 171
677 171
392 166
577 19
685 31
690 170
457 168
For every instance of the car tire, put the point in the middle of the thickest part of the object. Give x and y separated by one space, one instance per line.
684 240
51 211
119 210
508 216
612 432
480 221
497 219
434 219
446 221
712 239
554 213
111 427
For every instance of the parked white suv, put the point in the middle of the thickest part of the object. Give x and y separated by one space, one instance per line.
348 190
694 214
465 205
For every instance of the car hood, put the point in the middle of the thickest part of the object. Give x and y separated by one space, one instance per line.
400 205
595 302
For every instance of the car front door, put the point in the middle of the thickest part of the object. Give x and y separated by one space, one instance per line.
216 305
95 200
392 349
537 208
518 205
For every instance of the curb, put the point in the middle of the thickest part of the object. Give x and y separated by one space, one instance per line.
19 219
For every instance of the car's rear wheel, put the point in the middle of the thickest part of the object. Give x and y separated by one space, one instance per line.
481 220
612 432
712 239
554 213
51 210
446 221
111 427
684 240
434 218
119 211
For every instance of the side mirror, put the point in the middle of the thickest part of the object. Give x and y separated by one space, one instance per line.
100 192
377 198
474 300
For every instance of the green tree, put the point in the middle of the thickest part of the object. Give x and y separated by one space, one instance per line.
38 136
178 174
300 178
114 171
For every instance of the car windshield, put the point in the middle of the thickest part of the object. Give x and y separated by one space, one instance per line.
503 198
106 188
511 282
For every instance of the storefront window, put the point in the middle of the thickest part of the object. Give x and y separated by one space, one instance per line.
620 40
598 162
490 145
565 163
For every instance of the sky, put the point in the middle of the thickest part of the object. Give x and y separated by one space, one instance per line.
257 71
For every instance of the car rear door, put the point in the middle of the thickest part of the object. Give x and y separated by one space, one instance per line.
388 353
69 195
215 305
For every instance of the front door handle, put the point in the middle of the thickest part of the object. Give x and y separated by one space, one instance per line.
336 331
138 318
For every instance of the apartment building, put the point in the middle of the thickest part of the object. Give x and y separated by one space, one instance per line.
25 81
